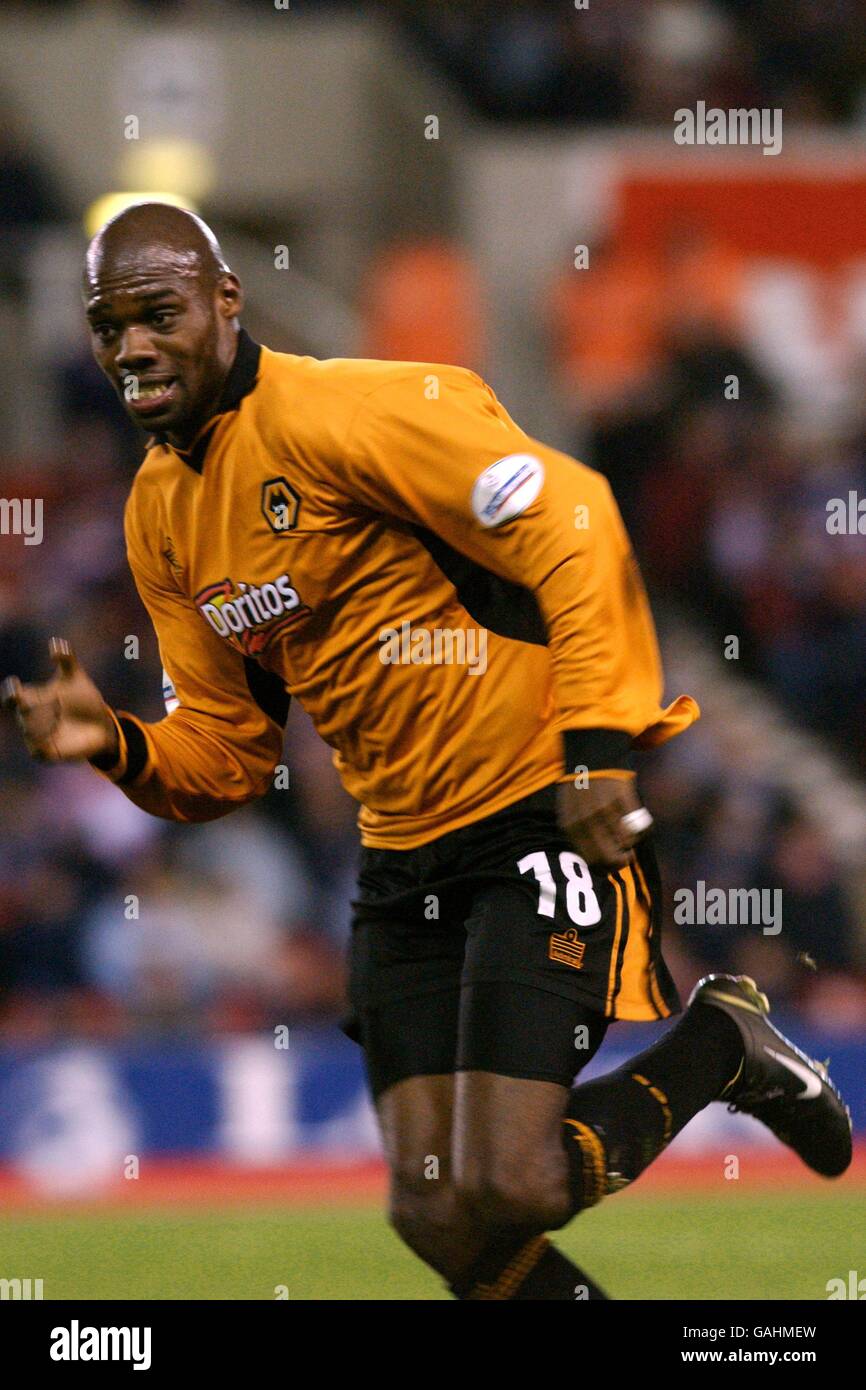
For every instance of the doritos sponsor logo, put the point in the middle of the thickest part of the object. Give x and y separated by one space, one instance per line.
565 947
249 616
507 488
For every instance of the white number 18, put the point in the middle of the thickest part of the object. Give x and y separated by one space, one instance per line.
581 903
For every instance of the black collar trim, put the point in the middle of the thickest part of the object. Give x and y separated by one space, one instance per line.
240 382
244 371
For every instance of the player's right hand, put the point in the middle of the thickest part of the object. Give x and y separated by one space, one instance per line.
66 719
603 820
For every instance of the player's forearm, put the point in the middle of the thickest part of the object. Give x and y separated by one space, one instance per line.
190 767
607 677
606 669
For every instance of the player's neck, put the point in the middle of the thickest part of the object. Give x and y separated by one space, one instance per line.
185 437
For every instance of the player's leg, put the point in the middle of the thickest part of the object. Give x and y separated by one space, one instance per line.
409 1047
616 1125
513 1107
404 990
519 1051
541 934
404 987
606 937
511 1171
552 946
418 1036
415 1120
724 1048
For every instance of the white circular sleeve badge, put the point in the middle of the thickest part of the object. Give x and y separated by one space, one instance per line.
507 488
169 694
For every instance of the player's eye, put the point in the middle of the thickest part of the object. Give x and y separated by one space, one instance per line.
102 331
162 318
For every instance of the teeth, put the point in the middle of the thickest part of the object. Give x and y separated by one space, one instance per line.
149 391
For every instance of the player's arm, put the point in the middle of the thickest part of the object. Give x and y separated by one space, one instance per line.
216 750
423 457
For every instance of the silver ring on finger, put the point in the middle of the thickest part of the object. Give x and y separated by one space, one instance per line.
636 822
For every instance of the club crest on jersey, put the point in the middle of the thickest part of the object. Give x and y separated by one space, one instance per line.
507 488
249 616
280 505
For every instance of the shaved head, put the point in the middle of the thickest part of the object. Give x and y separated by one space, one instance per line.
154 232
163 308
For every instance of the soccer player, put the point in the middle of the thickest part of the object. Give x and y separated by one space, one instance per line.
457 607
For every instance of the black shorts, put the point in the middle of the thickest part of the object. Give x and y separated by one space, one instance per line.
487 948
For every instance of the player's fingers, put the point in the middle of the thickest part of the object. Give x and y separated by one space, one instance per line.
21 699
36 714
611 851
615 834
633 824
38 722
616 858
63 657
11 692
599 844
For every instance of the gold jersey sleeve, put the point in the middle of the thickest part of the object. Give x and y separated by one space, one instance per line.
218 748
420 451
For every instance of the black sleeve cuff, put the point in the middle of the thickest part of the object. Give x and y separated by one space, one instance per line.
105 762
136 751
131 756
596 749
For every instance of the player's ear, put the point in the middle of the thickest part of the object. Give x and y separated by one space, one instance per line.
230 295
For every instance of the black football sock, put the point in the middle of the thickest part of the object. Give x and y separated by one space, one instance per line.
615 1126
514 1268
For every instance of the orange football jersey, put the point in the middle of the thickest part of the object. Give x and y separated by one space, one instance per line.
455 604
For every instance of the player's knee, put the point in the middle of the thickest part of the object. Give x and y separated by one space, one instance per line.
424 1215
507 1194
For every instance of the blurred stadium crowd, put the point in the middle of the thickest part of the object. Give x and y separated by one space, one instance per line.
635 61
112 922
632 61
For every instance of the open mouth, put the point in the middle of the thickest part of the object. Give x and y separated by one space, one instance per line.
150 397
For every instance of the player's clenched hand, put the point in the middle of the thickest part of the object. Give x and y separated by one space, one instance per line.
66 719
592 818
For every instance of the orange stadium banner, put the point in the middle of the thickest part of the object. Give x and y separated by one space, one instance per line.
802 213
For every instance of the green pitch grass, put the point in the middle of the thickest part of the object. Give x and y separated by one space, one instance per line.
694 1247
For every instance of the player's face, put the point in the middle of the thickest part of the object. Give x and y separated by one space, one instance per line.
165 342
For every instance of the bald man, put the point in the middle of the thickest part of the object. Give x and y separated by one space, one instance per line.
458 608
